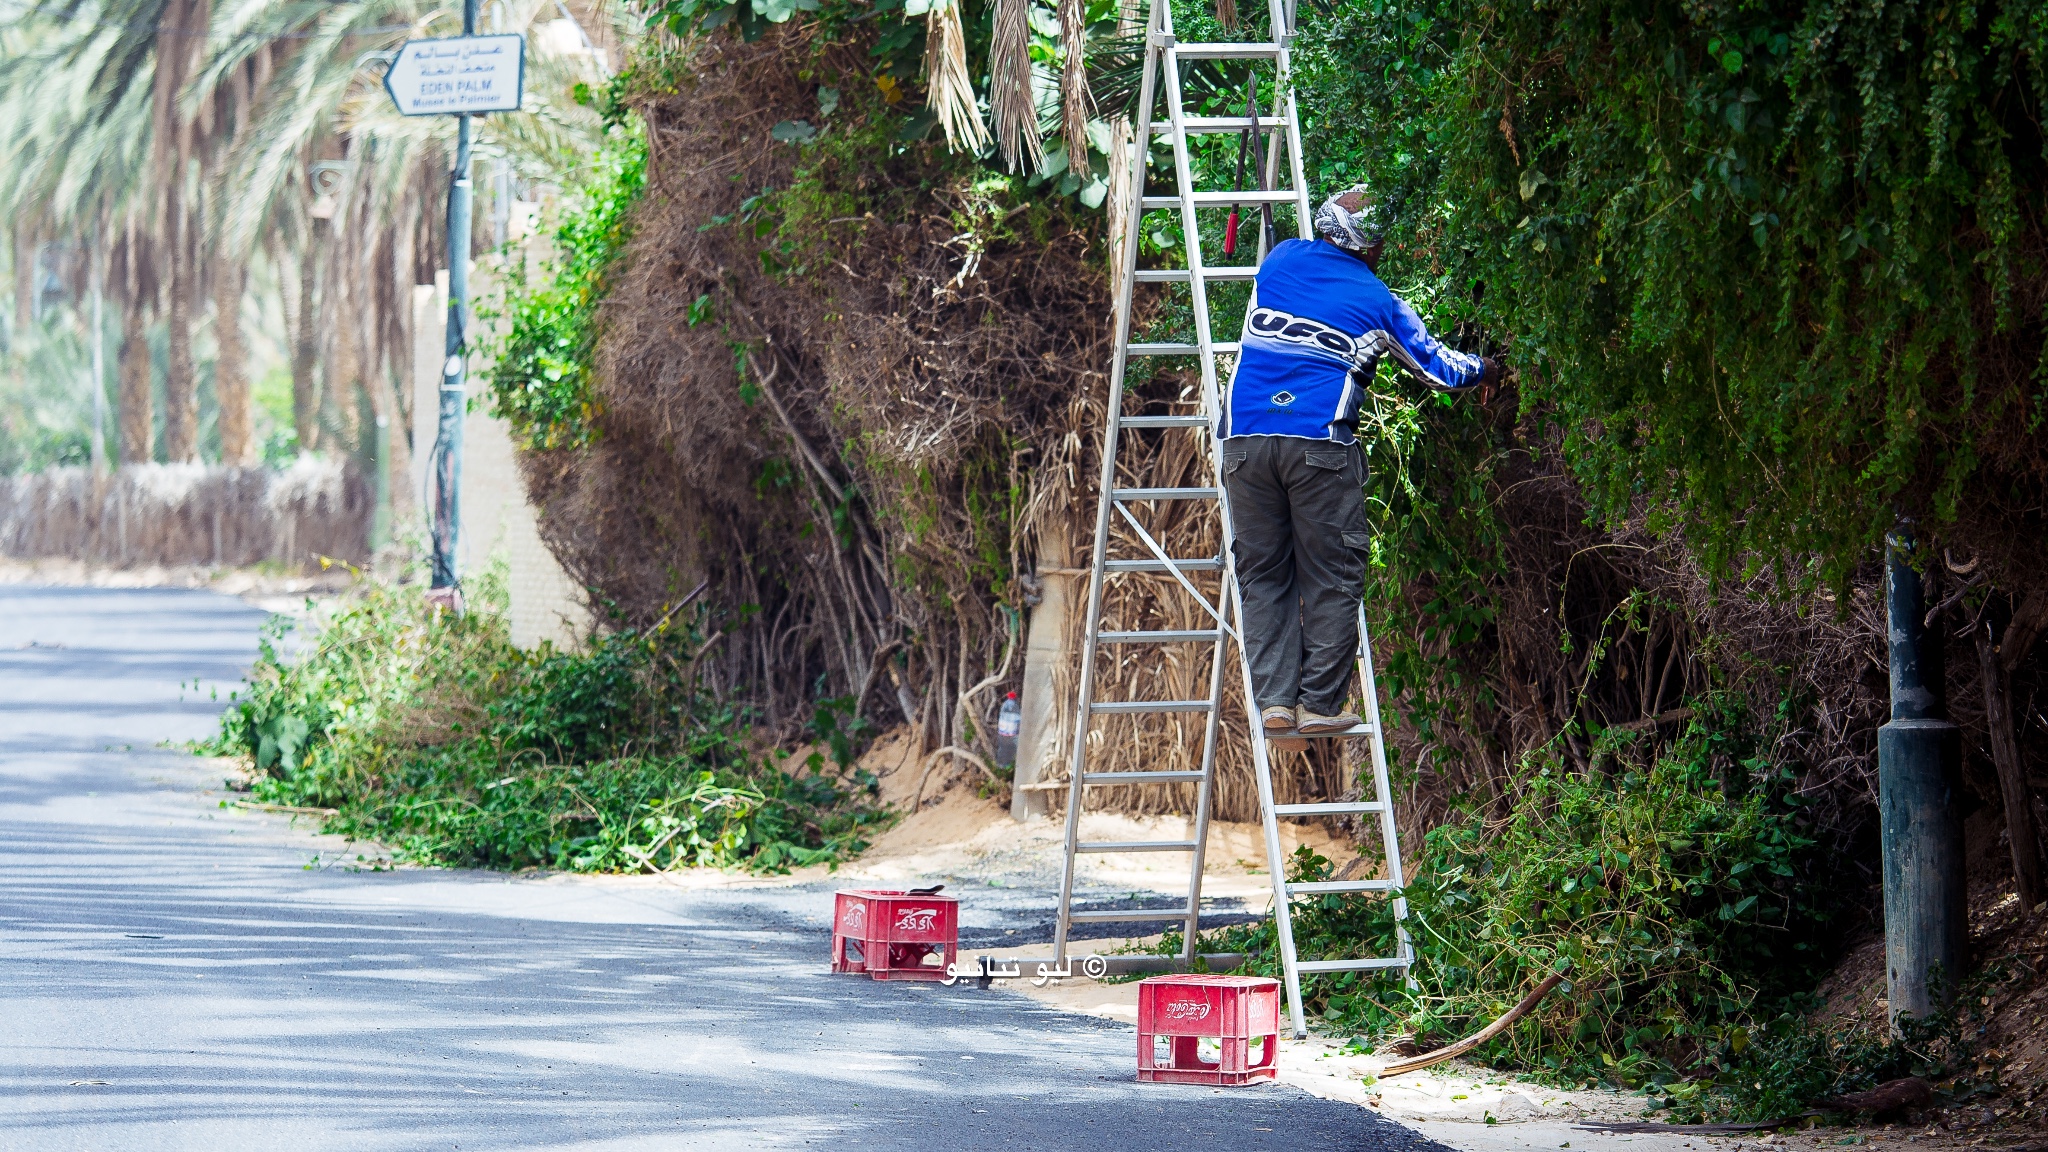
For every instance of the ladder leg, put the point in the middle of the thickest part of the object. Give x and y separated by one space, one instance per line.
1205 789
1383 791
1276 860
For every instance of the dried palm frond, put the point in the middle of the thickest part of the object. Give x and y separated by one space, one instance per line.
949 91
1118 202
1010 100
1076 106
1226 13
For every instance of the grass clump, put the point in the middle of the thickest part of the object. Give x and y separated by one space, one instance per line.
432 733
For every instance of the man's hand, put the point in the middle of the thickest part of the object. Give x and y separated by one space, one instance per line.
1490 373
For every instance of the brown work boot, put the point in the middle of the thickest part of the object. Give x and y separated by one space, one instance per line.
1310 723
1275 720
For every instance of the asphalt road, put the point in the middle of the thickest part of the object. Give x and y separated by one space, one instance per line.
174 974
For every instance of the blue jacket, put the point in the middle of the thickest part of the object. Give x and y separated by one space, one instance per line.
1317 314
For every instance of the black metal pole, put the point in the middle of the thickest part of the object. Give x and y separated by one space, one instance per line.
1919 768
447 461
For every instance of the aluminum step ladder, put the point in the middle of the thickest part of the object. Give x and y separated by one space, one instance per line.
1119 508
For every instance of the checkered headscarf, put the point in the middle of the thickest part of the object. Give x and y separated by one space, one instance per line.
1351 231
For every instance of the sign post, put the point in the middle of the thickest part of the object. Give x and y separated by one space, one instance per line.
459 76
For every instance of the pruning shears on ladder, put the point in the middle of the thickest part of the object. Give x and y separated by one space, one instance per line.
1249 145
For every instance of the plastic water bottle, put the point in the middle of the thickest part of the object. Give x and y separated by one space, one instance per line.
1008 723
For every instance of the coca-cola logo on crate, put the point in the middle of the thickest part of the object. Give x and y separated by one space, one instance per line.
917 919
1187 1010
855 918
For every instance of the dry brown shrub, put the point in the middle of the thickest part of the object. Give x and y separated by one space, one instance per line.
914 378
172 514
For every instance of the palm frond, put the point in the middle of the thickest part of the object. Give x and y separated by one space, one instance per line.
1010 100
948 89
1076 107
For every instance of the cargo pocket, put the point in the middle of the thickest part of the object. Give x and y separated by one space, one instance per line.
1231 461
1332 459
1359 542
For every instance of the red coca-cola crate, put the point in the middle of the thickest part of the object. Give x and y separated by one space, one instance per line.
1180 1016
895 935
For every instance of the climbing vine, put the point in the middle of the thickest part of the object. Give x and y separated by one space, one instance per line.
540 370
1774 271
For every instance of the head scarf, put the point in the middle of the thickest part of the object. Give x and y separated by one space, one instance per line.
1351 231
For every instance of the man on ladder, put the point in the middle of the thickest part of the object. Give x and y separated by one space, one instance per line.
1318 324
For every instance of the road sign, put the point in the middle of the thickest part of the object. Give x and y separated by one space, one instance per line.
458 75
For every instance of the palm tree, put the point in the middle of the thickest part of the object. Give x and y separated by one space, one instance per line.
75 134
185 139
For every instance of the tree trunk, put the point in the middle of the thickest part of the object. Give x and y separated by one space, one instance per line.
24 278
305 391
231 363
181 393
343 378
2012 775
134 397
396 458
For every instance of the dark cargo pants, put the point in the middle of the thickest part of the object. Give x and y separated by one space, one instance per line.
1300 534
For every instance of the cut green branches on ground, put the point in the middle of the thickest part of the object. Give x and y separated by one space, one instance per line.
433 734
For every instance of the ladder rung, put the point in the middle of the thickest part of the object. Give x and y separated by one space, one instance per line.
1199 124
1116 779
1317 887
1150 706
1220 348
1208 565
1180 636
1180 275
1137 846
1163 494
1291 734
1222 199
1347 965
1110 917
1340 809
1225 50
1162 422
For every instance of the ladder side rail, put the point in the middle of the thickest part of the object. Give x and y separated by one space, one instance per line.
1303 216
1383 791
1288 137
1191 231
1283 97
1140 147
1262 764
1205 353
1262 769
1205 790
